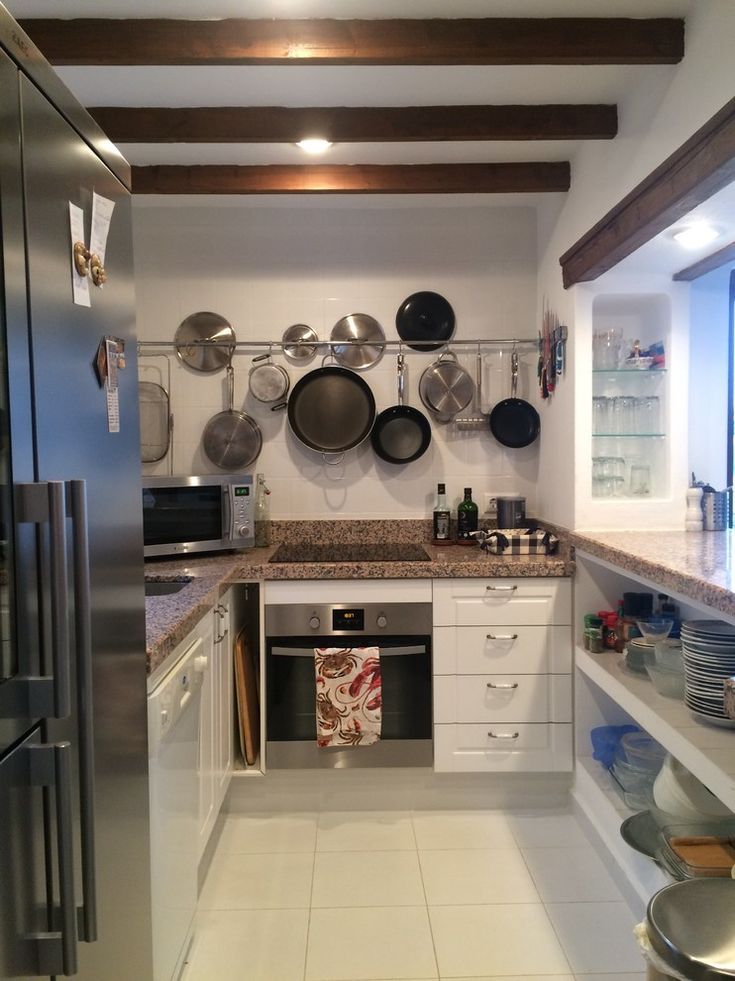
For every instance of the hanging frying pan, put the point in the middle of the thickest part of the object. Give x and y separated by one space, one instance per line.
445 387
514 422
401 433
331 410
425 316
232 440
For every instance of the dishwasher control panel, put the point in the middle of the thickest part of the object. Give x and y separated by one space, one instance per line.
174 693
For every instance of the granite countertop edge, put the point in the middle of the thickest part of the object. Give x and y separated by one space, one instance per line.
169 619
687 563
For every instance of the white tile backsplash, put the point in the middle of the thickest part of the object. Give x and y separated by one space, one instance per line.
267 267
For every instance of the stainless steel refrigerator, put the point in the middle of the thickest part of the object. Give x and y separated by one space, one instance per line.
74 826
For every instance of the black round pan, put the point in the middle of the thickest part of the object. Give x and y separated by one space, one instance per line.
425 316
515 422
401 434
331 409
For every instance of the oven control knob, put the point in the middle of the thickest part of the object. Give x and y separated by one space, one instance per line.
243 531
382 621
314 623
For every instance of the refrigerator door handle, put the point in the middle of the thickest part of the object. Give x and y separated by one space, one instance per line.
50 766
45 696
87 913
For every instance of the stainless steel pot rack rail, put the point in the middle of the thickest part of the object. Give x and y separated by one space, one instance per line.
402 346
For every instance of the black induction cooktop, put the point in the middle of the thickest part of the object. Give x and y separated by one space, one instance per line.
350 553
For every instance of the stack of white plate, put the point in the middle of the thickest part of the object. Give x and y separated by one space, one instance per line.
709 658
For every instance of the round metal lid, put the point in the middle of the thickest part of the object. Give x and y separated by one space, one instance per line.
358 327
194 336
690 925
294 348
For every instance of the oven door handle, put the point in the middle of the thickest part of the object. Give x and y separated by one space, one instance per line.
384 651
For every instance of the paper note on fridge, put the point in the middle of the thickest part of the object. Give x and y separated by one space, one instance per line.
80 284
102 209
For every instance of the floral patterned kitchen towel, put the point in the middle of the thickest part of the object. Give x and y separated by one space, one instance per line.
348 696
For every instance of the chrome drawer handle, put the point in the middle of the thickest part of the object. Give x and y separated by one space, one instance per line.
504 735
501 589
502 636
505 685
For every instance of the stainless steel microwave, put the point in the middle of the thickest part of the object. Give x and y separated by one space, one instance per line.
197 514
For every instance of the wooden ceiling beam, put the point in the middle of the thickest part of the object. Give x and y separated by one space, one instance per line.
711 262
339 124
461 41
700 167
491 178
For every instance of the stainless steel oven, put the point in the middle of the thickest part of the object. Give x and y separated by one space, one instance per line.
402 631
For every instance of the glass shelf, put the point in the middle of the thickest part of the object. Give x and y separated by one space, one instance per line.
629 435
629 371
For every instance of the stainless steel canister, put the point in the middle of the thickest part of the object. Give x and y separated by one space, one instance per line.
716 510
511 512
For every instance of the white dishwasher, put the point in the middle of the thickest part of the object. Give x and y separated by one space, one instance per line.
173 747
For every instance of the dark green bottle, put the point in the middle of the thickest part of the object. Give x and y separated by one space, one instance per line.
466 518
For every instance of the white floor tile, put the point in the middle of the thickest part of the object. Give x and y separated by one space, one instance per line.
571 875
543 829
597 937
261 833
346 944
483 875
608 977
474 941
249 945
462 829
390 878
516 977
258 882
364 830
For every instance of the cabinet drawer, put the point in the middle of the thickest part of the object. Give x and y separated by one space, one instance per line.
510 748
471 602
503 698
519 649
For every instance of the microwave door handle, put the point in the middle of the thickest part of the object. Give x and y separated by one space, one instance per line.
87 912
228 532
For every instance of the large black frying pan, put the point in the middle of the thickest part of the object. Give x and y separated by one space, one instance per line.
401 433
331 409
514 422
425 316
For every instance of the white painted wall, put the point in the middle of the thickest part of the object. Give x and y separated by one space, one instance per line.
708 357
267 263
655 119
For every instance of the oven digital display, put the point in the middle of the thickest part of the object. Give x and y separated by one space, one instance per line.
242 492
348 619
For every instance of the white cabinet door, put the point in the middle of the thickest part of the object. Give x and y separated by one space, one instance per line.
502 747
207 790
223 721
519 649
503 698
470 602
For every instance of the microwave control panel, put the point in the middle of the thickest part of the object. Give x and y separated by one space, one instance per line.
241 508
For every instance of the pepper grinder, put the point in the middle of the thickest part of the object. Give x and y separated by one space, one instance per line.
693 519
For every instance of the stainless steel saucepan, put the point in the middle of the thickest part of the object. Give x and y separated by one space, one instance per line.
446 388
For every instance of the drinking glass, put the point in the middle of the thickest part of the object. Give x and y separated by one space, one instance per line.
601 414
640 480
606 348
623 414
647 413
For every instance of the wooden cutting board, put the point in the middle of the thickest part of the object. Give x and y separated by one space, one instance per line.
248 703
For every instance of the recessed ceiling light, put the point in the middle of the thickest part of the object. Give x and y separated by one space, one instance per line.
696 235
314 145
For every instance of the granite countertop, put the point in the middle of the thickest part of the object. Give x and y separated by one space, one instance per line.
170 618
698 565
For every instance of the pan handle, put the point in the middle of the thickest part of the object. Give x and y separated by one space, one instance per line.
401 380
231 386
513 374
